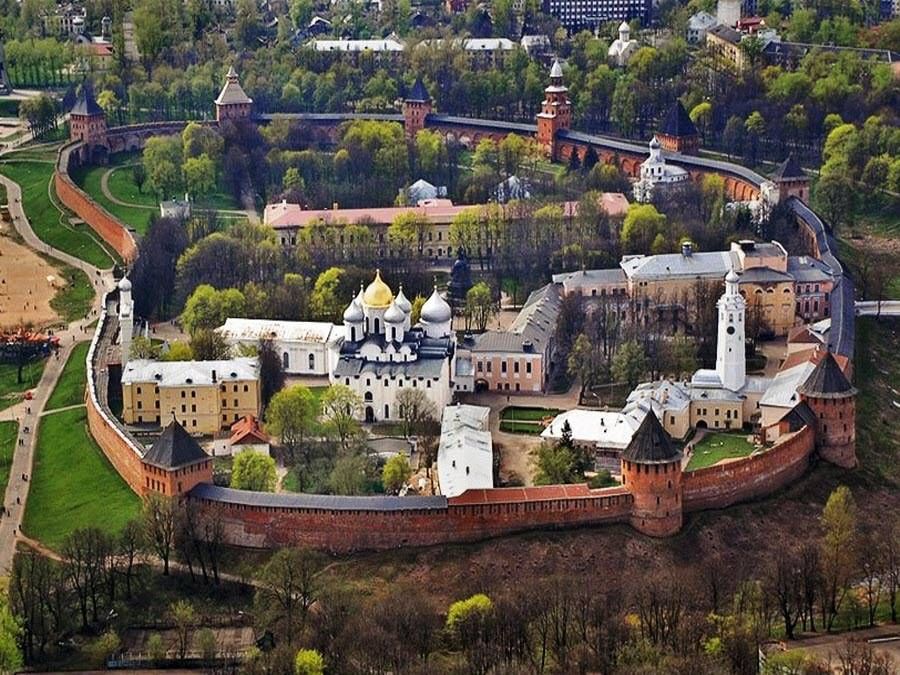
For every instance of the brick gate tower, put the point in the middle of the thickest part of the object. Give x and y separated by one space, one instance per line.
556 112
832 398
651 471
416 109
232 103
87 123
791 181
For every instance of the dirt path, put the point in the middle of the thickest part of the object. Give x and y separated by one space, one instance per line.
16 497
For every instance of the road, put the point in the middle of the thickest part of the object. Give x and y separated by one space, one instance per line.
28 414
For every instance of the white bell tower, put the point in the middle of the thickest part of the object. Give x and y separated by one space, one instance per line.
731 365
126 318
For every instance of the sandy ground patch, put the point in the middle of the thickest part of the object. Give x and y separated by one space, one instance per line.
25 291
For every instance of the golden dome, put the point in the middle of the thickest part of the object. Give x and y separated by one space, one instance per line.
378 294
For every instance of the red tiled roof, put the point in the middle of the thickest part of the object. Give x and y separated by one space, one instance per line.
247 431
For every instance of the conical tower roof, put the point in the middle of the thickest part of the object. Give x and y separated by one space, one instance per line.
678 123
174 449
651 444
827 380
232 93
418 93
789 169
86 104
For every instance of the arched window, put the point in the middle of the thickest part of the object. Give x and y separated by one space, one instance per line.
387 411
377 326
368 396
312 361
286 361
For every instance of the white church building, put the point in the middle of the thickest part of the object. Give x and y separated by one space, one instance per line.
656 175
383 353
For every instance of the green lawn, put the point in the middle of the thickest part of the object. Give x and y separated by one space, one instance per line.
716 447
88 179
73 485
73 301
530 428
48 223
527 414
8 432
10 389
70 386
121 184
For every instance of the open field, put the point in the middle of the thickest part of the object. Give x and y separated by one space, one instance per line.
717 447
48 223
527 414
10 390
8 432
72 381
89 179
73 485
28 286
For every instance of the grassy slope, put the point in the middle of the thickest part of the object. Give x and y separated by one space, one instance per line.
73 485
53 228
31 375
716 447
70 386
8 432
74 301
88 178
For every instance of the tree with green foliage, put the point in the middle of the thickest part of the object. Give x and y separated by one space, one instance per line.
207 308
476 608
325 301
701 116
208 345
584 362
271 371
480 306
184 616
291 416
340 409
143 348
199 176
253 470
555 464
105 646
348 475
642 224
838 551
10 633
630 363
287 588
207 644
395 473
309 662
162 160
178 351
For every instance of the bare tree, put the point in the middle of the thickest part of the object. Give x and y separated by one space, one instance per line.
159 519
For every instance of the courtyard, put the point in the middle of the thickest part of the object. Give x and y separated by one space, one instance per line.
714 448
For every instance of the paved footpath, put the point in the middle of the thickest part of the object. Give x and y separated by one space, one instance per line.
28 413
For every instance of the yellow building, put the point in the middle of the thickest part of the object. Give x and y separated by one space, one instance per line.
203 396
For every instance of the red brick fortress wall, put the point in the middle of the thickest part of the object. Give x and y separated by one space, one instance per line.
470 517
107 226
750 478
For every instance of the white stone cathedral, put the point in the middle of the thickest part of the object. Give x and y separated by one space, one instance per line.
383 353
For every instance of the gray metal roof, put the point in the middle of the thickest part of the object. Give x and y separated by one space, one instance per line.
806 269
761 275
536 323
348 366
299 501
612 275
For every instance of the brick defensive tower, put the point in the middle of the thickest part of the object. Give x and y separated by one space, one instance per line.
232 103
416 109
175 463
678 133
556 112
791 181
832 398
87 123
651 471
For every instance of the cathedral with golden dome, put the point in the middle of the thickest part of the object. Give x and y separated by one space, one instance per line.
383 352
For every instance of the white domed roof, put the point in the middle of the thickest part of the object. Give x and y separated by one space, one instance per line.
394 314
654 142
732 277
353 313
556 69
402 302
436 309
624 26
124 284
